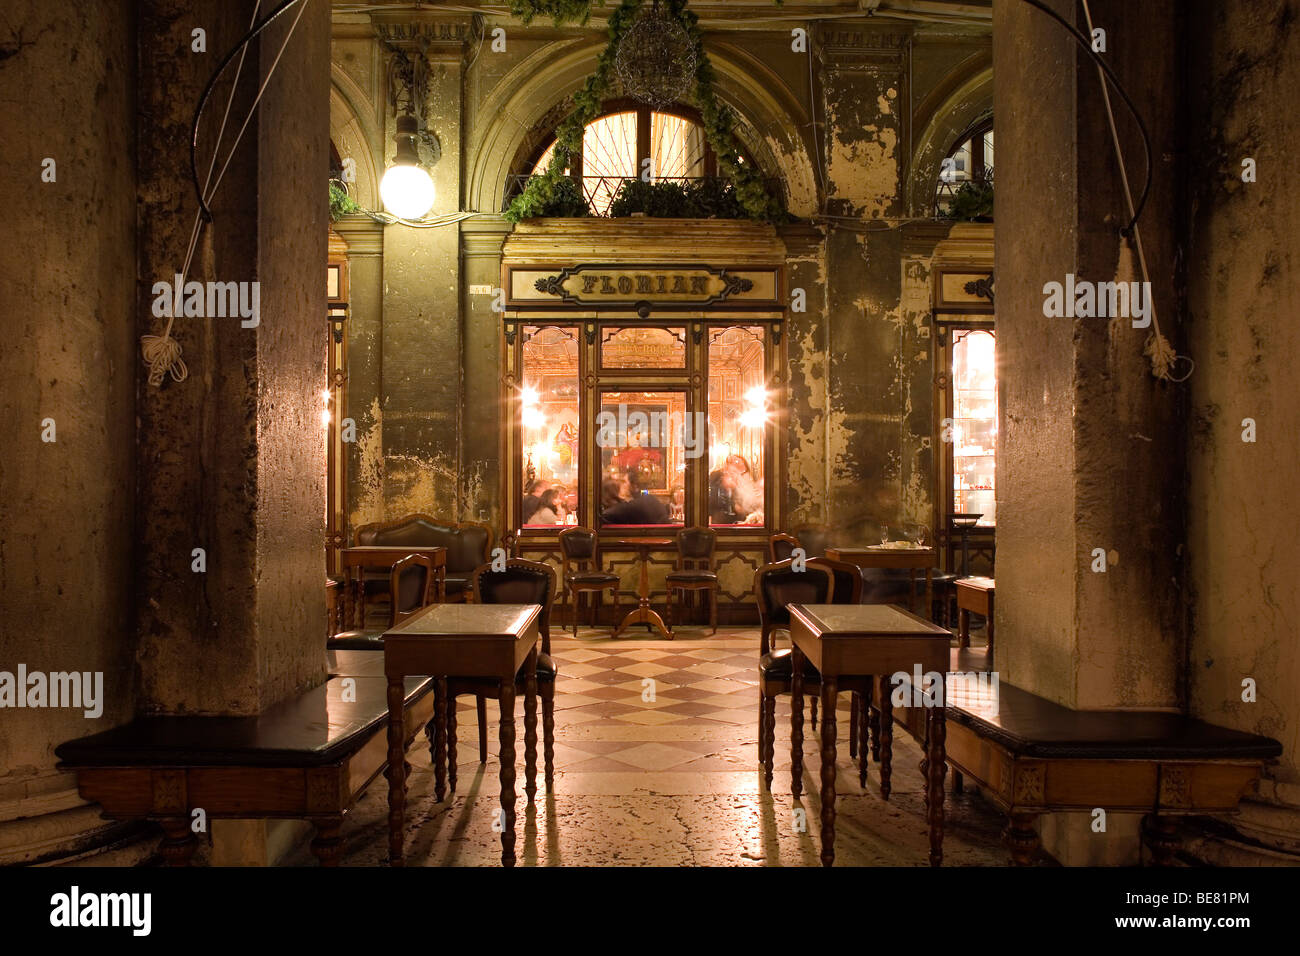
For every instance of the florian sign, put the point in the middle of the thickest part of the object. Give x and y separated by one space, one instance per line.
609 285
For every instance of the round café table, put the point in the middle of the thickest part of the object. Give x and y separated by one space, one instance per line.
643 613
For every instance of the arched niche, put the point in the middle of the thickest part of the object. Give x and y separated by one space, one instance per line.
524 108
954 107
355 133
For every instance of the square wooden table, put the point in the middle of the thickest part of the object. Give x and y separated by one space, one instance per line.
861 640
907 559
358 559
464 640
975 594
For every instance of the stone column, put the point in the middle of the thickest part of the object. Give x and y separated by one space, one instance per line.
1089 456
231 460
422 393
68 400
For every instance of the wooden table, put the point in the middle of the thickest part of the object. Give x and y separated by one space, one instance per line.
908 559
356 561
464 640
643 613
861 640
974 594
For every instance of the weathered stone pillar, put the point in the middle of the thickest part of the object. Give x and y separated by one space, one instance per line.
878 382
422 394
1089 457
68 399
231 460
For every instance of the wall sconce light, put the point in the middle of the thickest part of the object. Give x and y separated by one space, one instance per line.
406 187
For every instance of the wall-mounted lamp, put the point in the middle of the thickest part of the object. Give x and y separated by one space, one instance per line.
406 187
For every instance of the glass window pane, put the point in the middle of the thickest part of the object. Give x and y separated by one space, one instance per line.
975 429
677 146
644 440
549 427
739 409
643 348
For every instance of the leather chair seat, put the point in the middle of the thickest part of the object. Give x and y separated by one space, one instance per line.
456 585
778 666
370 640
592 577
692 577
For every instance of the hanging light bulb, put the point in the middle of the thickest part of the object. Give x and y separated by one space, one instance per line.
407 188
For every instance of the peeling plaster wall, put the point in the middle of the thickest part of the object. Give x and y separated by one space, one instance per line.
1243 552
67 292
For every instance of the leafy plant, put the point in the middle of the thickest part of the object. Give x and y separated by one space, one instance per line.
565 199
341 204
750 191
973 200
668 199
561 11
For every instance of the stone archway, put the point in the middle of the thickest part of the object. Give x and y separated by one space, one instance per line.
963 99
529 102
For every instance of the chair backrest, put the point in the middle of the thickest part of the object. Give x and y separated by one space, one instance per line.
411 587
522 582
778 585
468 543
847 578
780 547
695 547
580 546
814 539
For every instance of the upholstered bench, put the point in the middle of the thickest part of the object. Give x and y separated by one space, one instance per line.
468 544
310 758
1032 756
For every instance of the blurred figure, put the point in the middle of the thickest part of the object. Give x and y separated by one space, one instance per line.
641 508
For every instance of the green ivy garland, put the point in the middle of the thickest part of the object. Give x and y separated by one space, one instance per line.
540 193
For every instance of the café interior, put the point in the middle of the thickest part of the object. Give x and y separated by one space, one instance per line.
683 367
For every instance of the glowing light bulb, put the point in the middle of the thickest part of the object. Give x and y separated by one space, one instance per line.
753 418
756 396
529 395
407 191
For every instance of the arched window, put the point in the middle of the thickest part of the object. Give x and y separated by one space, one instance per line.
969 161
618 143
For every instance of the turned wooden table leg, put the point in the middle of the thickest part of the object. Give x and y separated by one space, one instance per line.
327 846
396 769
796 723
440 739
530 726
828 769
1160 834
451 745
878 690
178 843
1021 837
855 702
769 740
886 739
936 767
507 773
864 710
548 731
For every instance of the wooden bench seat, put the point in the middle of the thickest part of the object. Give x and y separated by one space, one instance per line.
310 758
1032 756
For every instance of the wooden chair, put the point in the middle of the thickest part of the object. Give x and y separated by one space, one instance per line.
814 538
522 582
776 587
694 571
582 571
780 547
468 544
411 582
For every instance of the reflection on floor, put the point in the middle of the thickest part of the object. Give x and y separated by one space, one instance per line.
667 778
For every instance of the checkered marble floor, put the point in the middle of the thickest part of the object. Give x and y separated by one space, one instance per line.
656 765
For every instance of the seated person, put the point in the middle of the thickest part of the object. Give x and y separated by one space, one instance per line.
550 509
533 499
641 508
724 501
